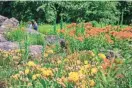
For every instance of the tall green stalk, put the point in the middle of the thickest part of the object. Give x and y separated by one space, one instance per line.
54 26
61 22
26 45
43 49
122 14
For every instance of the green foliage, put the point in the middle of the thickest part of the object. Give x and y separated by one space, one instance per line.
20 35
47 29
124 46
36 39
16 35
96 42
91 43
107 12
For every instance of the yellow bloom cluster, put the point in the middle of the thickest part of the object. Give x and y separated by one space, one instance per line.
31 64
48 52
94 70
35 71
73 76
15 55
27 71
102 56
79 68
35 76
16 76
47 73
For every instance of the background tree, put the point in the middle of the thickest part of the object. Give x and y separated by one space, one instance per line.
109 12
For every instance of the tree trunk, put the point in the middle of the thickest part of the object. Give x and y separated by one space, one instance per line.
122 14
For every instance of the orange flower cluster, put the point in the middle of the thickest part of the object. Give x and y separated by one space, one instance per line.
122 34
71 25
106 64
72 32
94 31
115 31
109 38
127 29
87 25
62 31
81 38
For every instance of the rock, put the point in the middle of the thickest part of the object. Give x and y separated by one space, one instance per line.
10 23
50 39
2 30
3 84
32 31
8 45
35 51
2 39
63 44
2 19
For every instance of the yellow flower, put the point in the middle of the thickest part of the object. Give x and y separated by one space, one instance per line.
29 84
34 77
58 31
59 61
73 76
85 62
102 56
41 69
92 54
31 64
21 72
38 75
5 55
80 71
83 84
87 66
94 70
66 60
27 71
91 83
78 62
47 73
83 70
45 55
50 51
16 76
15 57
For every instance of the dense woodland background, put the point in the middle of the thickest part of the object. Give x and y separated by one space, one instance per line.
116 12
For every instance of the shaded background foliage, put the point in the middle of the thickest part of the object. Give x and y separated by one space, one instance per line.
119 12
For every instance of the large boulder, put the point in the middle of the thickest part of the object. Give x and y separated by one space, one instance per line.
10 23
8 45
51 39
35 51
2 39
2 30
32 31
2 19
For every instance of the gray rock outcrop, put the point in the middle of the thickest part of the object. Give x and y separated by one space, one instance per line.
35 51
2 38
8 45
51 39
10 23
32 31
2 19
2 30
